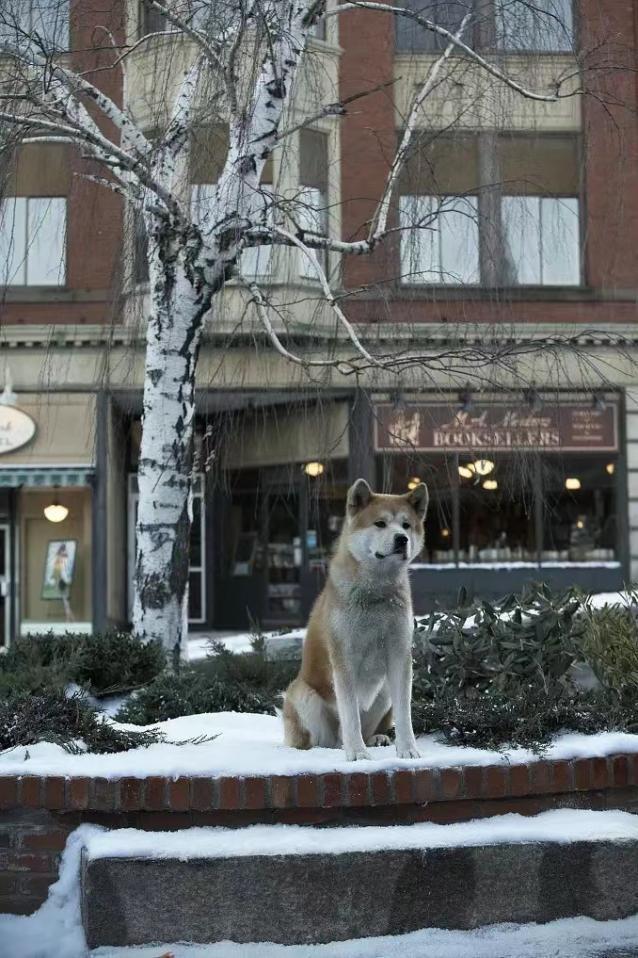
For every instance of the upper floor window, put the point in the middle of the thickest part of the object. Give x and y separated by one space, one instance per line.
33 217
411 37
545 26
520 227
32 241
311 203
439 240
45 20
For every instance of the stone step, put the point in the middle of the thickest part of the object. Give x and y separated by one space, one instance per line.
294 885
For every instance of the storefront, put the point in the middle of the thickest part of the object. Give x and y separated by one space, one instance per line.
522 488
46 528
520 491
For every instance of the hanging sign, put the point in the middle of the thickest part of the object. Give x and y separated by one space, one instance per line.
16 429
432 428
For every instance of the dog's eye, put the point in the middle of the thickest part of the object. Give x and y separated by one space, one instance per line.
380 524
406 525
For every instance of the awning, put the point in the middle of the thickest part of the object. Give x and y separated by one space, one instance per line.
45 476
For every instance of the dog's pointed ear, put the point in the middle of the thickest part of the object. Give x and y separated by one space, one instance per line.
359 495
419 498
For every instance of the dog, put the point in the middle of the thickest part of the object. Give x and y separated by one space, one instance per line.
356 669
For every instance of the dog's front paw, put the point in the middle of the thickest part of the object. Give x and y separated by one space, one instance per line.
408 751
357 754
378 740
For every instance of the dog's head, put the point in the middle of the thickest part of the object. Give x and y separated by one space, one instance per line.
386 531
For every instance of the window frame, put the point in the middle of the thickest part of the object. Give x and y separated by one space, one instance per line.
495 194
27 246
482 35
406 236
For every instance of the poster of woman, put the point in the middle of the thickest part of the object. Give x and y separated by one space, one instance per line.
58 569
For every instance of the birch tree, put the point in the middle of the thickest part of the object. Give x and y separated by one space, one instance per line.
237 60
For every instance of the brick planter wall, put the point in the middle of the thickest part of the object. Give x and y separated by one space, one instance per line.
37 814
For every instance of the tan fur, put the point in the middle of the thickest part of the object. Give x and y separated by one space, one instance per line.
360 588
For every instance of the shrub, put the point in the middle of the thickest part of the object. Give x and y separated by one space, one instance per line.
527 641
107 663
116 662
610 647
225 682
528 718
51 716
492 676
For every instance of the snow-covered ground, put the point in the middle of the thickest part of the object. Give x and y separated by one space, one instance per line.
55 931
252 745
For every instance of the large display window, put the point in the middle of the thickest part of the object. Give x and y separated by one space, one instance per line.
513 486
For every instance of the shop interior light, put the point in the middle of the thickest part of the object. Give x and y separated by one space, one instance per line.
580 523
490 484
483 467
56 512
572 483
414 482
610 468
466 471
445 533
314 469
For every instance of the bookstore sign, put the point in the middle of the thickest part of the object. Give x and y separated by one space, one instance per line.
421 427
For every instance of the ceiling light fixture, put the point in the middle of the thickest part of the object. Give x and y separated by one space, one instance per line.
490 485
572 483
466 471
55 512
314 469
483 467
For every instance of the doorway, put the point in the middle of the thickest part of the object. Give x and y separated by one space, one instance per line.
5 585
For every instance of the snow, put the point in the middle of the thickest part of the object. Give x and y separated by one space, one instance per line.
519 564
55 931
567 938
252 745
561 825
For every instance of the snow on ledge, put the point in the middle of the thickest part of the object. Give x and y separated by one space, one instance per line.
253 745
560 825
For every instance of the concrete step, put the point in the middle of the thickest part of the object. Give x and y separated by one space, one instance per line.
294 885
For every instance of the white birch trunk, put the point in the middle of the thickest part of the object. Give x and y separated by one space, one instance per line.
166 452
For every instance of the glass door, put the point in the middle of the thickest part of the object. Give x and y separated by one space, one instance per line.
284 556
5 586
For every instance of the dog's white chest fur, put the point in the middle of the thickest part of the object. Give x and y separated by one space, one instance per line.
367 634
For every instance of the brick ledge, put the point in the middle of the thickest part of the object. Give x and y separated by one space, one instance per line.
356 789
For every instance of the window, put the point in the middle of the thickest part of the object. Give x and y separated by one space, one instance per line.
541 240
540 210
503 210
544 27
310 209
439 240
579 523
411 37
33 241
197 559
151 20
46 19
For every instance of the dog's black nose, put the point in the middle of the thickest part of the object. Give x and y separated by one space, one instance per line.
400 542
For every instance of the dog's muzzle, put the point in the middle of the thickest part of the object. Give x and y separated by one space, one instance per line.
401 545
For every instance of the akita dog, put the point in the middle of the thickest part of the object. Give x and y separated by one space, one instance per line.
356 670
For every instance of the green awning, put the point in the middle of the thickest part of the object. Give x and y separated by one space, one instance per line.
45 477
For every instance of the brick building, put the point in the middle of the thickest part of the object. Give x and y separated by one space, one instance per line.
531 211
